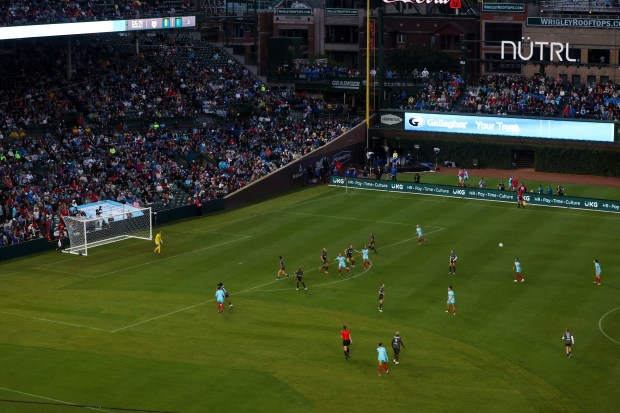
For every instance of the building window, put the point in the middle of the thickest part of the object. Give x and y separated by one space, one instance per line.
591 79
495 33
401 39
598 56
576 80
494 63
450 42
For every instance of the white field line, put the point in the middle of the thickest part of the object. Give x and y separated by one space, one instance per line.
55 321
347 218
484 203
251 289
244 237
9 274
182 309
257 288
53 400
312 201
345 278
600 324
108 250
356 275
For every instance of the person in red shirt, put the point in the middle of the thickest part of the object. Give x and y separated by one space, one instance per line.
520 202
346 341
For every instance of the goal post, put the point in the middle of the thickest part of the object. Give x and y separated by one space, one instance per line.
102 223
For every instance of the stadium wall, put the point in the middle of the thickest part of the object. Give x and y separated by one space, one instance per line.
486 151
26 248
347 148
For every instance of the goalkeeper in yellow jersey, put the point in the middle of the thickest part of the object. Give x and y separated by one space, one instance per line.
158 242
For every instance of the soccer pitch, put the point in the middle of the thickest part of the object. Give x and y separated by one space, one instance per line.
127 329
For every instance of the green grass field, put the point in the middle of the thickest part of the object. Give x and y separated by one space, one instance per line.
126 329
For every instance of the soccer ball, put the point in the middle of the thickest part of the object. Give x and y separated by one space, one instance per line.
501 244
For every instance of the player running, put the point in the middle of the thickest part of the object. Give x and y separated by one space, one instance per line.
453 258
597 272
349 255
226 294
365 257
421 238
381 292
346 341
451 301
383 359
397 341
282 270
569 340
371 243
219 297
324 260
342 263
518 274
158 242
300 279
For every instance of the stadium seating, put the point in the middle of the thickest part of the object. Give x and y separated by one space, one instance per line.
129 139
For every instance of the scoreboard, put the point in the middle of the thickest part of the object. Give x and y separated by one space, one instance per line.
106 26
160 23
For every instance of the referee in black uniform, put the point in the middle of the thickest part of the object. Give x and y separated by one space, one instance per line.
397 341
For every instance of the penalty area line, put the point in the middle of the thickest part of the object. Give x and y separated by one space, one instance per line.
169 257
354 276
55 321
183 309
600 324
336 217
53 400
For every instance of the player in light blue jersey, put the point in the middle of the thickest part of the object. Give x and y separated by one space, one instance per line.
421 238
342 263
451 301
219 297
365 257
382 356
518 274
597 272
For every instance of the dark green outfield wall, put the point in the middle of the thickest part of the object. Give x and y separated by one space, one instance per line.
571 157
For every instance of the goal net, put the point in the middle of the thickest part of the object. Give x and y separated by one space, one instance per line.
105 222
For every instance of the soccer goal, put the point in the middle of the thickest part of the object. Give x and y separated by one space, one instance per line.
106 222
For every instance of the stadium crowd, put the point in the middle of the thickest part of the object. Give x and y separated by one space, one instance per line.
500 94
127 142
102 157
22 12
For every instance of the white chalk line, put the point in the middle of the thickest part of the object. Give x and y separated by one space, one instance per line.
182 309
55 321
360 274
481 202
346 218
241 236
251 289
108 250
53 400
600 324
313 200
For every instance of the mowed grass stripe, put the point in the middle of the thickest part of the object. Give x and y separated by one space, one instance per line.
281 350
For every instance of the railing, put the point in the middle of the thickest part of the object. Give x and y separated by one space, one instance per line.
582 7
